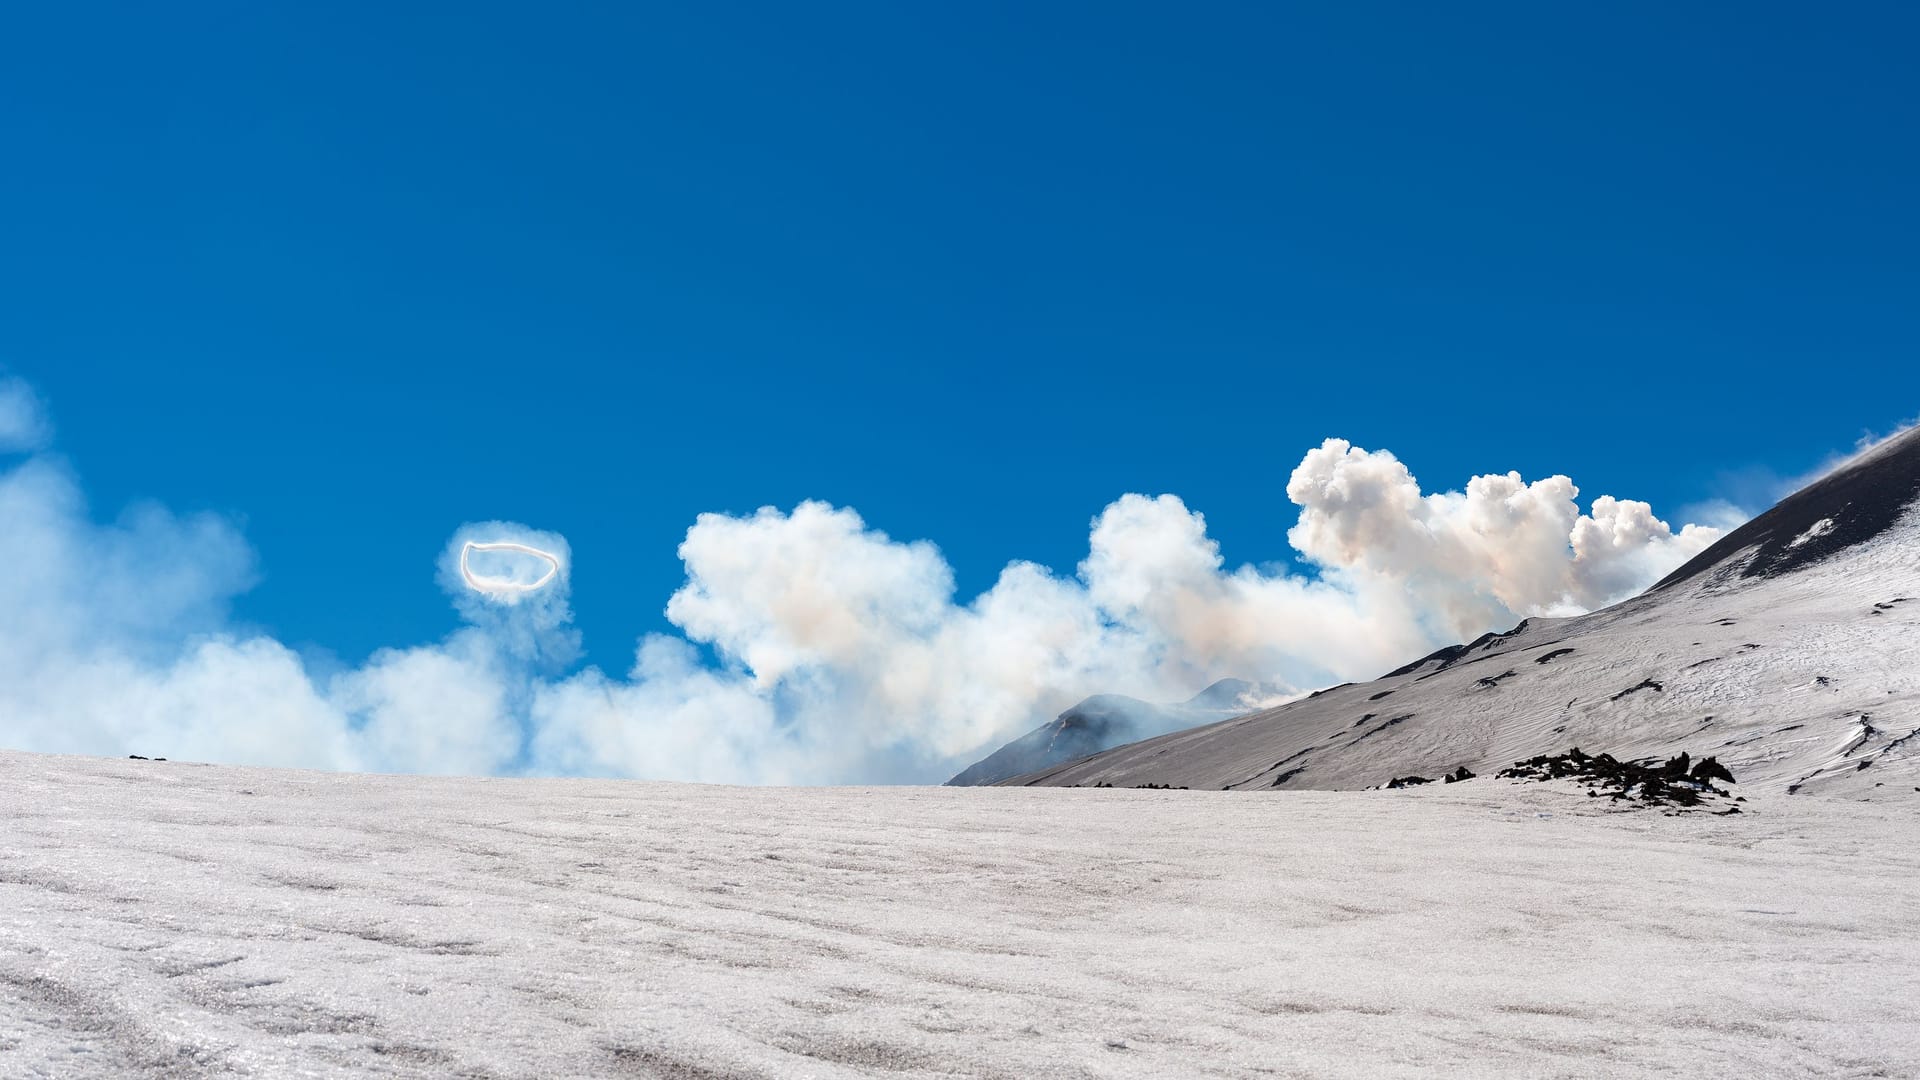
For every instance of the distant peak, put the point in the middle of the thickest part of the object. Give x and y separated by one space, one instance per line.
1224 694
1849 505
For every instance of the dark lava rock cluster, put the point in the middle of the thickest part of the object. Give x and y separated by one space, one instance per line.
1680 782
1454 777
1145 787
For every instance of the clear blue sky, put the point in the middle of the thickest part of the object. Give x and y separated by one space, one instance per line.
361 275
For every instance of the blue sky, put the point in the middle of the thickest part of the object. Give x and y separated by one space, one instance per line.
359 276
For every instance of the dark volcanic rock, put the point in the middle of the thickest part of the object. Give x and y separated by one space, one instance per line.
1454 777
1707 770
1644 684
1384 725
1663 785
1451 655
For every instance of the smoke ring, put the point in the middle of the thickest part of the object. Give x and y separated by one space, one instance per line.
497 586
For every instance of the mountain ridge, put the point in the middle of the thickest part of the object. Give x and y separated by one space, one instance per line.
1101 722
1790 649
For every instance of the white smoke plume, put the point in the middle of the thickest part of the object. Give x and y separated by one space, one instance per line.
843 655
1503 548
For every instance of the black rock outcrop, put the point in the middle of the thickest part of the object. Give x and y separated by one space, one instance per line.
1668 784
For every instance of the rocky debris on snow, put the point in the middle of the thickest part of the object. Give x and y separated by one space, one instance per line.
1293 757
1494 680
1451 655
1899 742
1146 787
1710 769
1454 777
1866 734
1644 684
1445 656
137 757
1552 656
1679 782
1383 725
1283 777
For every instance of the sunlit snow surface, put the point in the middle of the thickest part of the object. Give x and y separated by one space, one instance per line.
169 919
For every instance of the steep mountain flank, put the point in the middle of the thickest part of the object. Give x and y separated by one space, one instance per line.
1790 651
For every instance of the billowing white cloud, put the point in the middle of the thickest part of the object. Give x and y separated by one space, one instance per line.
24 427
139 585
1153 568
812 647
777 592
439 709
1502 548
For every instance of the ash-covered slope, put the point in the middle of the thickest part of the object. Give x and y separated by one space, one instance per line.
1100 723
1790 650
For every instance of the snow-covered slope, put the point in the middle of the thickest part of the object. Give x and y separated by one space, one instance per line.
171 920
1790 649
1104 721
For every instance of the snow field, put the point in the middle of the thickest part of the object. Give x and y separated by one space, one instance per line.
167 919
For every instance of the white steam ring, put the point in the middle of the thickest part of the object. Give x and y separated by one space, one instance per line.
501 585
